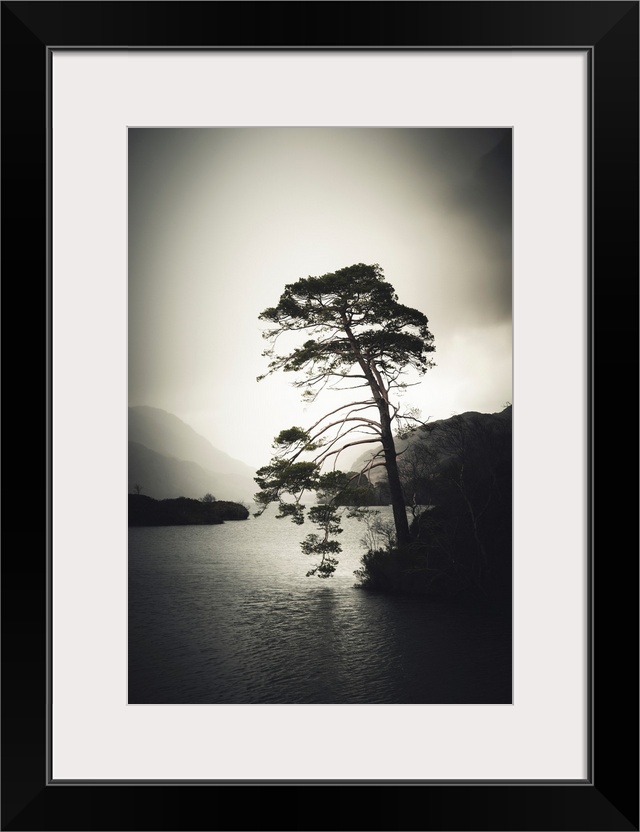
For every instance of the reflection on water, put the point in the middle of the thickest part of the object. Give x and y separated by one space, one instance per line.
225 614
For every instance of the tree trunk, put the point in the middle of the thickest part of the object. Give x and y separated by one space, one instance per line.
386 437
395 487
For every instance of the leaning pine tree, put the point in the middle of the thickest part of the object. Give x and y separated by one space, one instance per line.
357 335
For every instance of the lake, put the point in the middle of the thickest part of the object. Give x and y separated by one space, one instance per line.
225 614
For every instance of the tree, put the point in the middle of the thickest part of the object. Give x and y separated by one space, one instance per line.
208 498
357 336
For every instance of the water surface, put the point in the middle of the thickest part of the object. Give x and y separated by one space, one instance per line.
224 614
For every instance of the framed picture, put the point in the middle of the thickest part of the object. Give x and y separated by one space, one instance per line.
561 79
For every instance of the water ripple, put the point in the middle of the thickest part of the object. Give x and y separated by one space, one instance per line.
225 614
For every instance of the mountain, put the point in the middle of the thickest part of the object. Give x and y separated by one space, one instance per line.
165 433
167 459
435 432
457 480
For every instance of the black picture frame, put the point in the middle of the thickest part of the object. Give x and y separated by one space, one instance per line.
608 799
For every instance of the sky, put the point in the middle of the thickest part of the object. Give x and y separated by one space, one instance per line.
221 219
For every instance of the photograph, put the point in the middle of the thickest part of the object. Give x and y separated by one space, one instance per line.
291 265
320 415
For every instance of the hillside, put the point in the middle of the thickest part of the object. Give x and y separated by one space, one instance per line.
168 459
456 476
430 432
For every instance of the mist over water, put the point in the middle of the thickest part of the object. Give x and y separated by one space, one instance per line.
224 614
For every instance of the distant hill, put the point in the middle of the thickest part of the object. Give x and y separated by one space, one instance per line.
168 459
433 430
